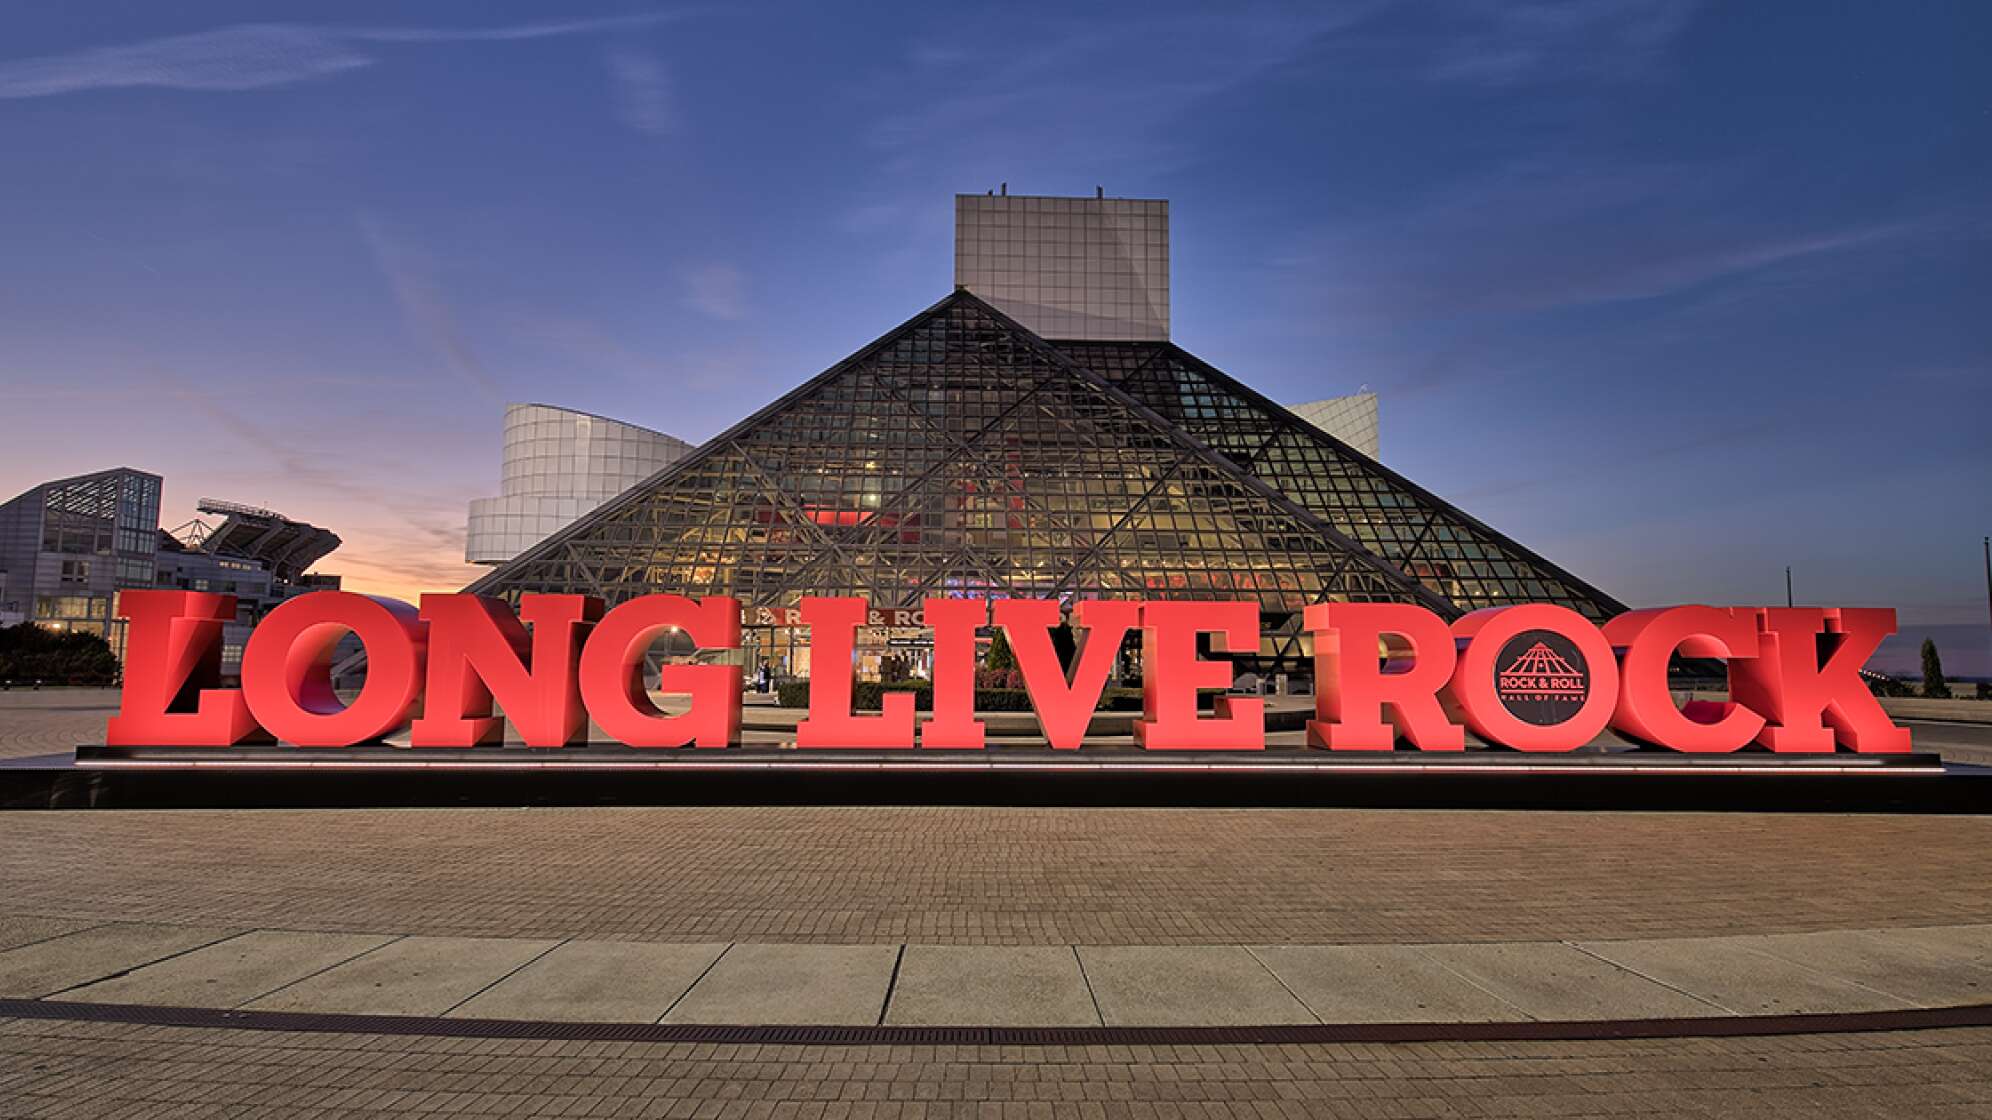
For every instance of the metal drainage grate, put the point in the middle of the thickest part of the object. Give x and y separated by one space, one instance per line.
1973 1015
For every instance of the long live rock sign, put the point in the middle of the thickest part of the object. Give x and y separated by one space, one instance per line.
1384 671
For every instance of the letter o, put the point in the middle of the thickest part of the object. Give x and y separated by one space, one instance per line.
287 668
1476 684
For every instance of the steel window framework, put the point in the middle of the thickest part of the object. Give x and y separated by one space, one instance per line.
962 455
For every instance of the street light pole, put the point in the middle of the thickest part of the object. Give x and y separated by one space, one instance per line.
1787 585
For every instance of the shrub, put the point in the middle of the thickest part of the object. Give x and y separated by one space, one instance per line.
865 696
999 679
1885 686
30 653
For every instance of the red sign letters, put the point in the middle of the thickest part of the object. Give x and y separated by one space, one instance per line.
1534 677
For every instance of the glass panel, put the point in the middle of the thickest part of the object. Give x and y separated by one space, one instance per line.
1418 535
962 456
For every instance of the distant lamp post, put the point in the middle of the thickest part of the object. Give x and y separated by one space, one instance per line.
1788 585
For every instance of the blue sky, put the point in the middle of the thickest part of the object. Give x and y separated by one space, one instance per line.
1675 293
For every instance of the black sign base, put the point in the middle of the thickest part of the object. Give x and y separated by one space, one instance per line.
273 777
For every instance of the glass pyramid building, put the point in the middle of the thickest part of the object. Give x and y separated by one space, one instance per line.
963 455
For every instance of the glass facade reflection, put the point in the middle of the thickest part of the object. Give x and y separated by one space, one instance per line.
1416 533
1351 419
69 546
961 455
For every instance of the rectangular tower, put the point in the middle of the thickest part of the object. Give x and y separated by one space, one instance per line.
1074 268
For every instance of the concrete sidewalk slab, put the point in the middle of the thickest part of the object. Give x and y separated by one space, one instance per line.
232 972
1907 968
1727 972
991 986
1551 980
411 976
1970 944
47 967
1048 985
1217 985
16 931
596 982
1380 984
835 985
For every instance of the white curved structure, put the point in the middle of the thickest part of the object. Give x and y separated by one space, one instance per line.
1351 419
560 464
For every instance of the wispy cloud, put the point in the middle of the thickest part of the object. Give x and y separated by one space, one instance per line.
642 87
418 547
1508 42
718 290
1059 101
1111 84
1542 235
253 56
247 56
1118 88
411 279
515 32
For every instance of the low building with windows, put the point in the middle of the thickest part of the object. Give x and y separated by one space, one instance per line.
69 546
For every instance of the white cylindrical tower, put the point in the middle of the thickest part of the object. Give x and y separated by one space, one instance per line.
558 465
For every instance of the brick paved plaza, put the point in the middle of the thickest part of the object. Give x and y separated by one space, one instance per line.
104 1071
1000 876
976 877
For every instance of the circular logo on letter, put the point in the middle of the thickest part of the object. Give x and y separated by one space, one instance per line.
1541 678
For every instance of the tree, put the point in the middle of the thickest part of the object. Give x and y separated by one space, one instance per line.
1934 686
30 653
1000 658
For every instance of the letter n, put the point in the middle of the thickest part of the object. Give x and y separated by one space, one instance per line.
479 651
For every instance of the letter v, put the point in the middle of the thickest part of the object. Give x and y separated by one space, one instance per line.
1065 706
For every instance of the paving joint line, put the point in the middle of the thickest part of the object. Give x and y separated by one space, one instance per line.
1836 978
1725 1009
891 983
65 933
145 964
707 971
523 965
391 939
1474 983
1088 981
1281 981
